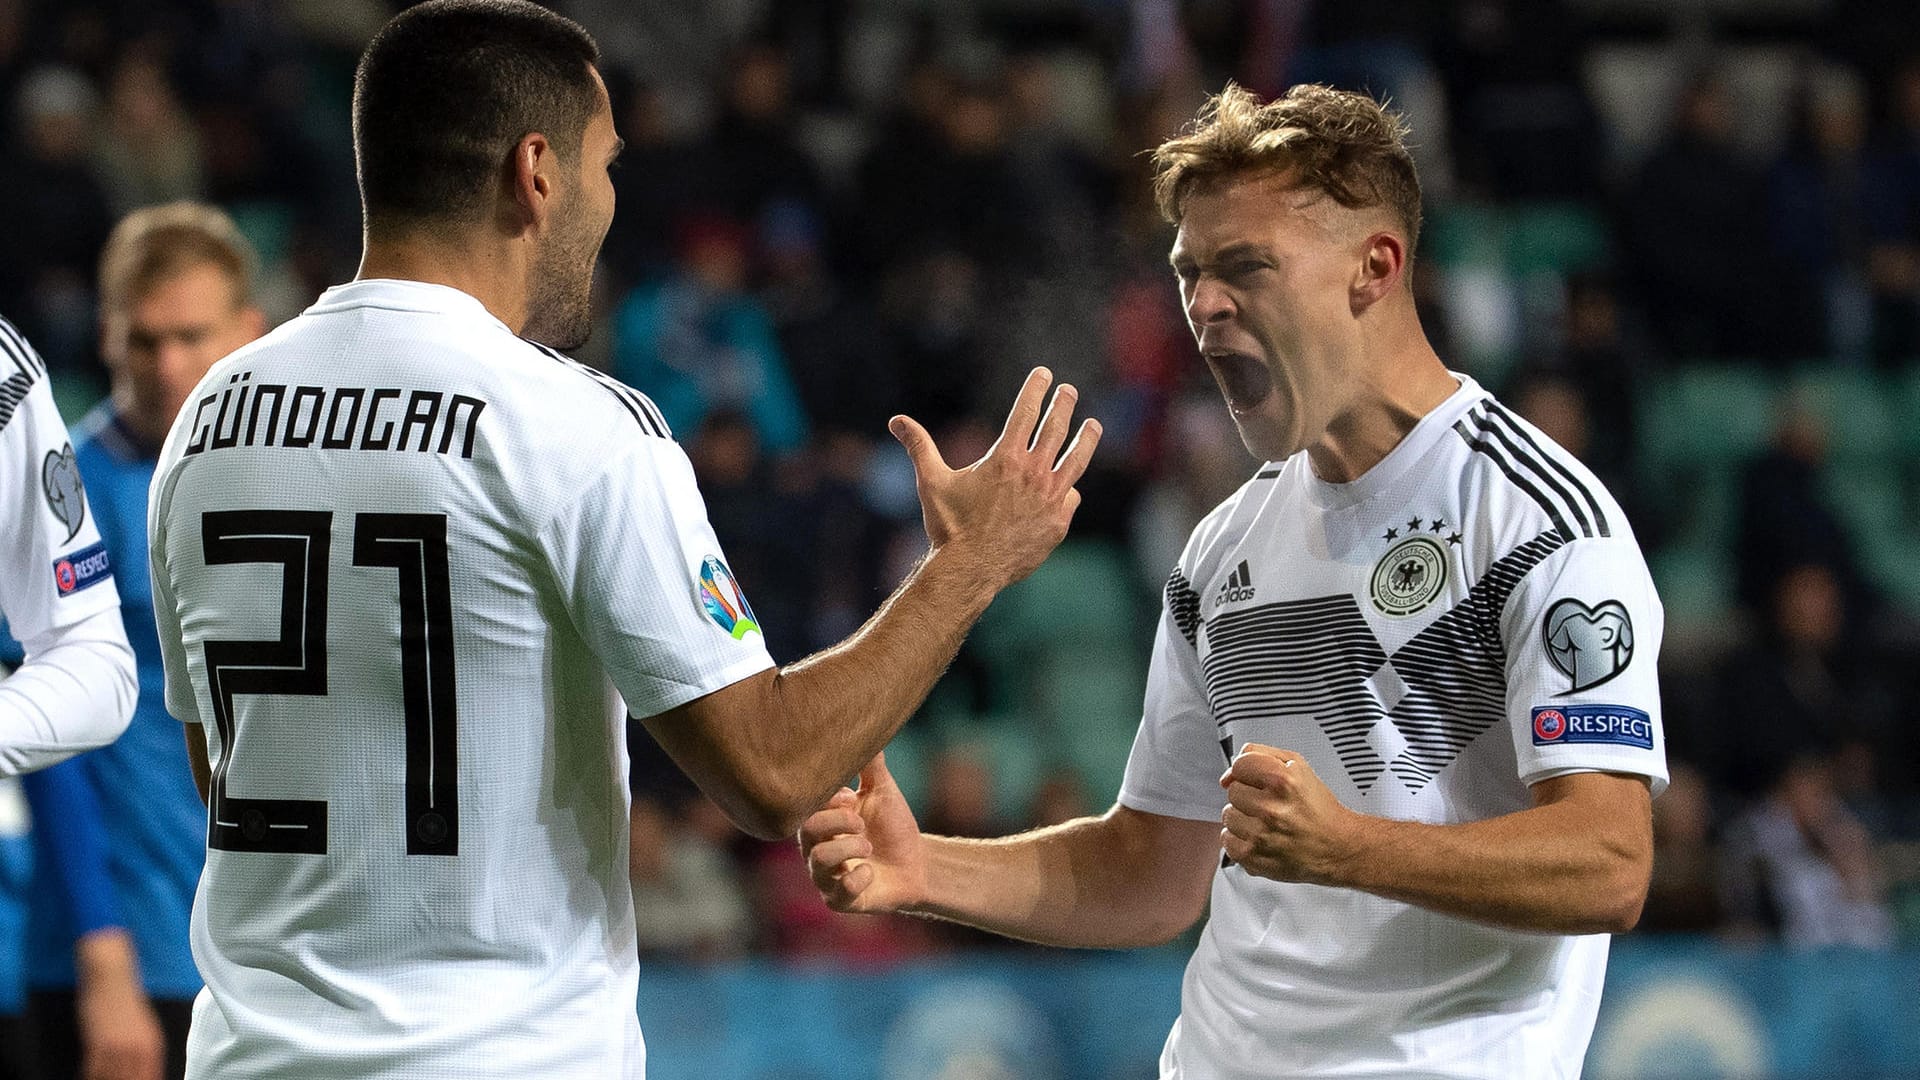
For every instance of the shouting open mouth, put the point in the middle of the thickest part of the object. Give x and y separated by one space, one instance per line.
1243 379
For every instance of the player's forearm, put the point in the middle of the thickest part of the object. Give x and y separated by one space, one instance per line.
1550 869
838 708
74 694
105 959
1095 883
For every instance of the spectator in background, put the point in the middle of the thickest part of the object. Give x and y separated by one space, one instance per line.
953 188
1803 868
688 904
57 217
754 156
1817 214
16 871
1801 689
1684 895
841 357
657 184
1061 797
148 150
698 341
119 833
1693 236
1893 253
1784 518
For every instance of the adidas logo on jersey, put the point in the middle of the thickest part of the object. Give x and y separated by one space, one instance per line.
1237 587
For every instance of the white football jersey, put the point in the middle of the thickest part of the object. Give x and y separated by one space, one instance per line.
397 554
53 567
1469 617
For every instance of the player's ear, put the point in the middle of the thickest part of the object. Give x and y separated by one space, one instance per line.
1383 261
531 178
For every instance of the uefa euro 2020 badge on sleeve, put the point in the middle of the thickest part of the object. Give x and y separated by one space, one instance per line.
725 604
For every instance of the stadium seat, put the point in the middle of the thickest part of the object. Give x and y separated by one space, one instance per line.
1705 414
1871 499
1518 241
1859 408
1560 238
1907 404
1695 585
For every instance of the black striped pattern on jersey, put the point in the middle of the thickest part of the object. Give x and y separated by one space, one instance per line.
1489 429
1456 669
1300 658
1183 604
1318 658
637 404
27 370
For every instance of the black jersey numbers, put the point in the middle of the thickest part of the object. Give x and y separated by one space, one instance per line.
299 541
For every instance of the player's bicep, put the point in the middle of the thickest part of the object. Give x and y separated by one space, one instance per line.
711 737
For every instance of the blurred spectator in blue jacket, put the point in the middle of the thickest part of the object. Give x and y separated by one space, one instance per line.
699 341
119 833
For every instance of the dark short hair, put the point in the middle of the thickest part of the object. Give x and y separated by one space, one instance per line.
447 88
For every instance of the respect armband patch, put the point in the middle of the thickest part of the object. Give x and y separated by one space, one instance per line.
82 569
1617 725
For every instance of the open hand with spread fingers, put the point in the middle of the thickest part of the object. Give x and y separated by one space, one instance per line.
1281 820
1011 508
864 848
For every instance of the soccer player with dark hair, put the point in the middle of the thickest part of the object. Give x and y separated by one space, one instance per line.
404 553
1402 725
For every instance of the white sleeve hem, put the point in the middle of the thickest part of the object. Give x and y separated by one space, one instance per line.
75 694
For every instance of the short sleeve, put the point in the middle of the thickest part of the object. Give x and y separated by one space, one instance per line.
181 698
643 578
1582 634
1174 769
54 570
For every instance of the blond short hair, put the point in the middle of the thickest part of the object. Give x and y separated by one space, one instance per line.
1345 145
153 244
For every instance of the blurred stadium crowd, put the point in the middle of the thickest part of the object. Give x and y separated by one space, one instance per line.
1682 238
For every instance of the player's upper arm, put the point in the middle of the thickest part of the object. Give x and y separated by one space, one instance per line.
1582 632
1615 812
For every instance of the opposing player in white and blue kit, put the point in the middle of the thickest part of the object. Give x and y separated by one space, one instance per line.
1402 725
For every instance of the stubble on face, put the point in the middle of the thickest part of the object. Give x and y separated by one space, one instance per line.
560 303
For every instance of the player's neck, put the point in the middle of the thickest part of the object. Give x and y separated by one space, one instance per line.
490 272
1408 382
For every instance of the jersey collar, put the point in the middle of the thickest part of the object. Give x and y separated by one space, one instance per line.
1407 454
394 294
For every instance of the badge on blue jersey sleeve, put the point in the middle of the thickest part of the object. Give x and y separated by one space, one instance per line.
82 569
725 604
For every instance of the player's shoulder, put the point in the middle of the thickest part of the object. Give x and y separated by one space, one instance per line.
23 375
1529 484
1223 526
577 389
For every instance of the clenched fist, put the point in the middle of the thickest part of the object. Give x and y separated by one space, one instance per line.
1281 820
